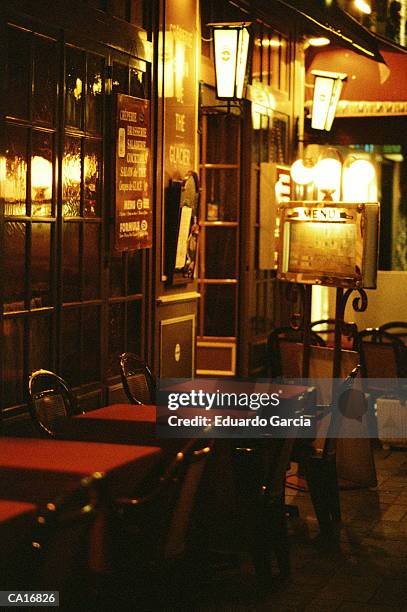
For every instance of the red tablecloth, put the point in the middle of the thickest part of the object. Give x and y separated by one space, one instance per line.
16 523
121 424
39 470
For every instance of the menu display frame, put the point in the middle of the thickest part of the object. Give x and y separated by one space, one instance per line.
308 254
133 214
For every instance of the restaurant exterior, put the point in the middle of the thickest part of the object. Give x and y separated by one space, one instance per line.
111 133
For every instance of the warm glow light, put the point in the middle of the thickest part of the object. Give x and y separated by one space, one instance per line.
363 6
318 41
328 174
41 173
268 42
71 169
302 174
357 182
231 46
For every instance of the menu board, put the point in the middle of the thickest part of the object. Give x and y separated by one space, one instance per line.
323 248
333 244
133 205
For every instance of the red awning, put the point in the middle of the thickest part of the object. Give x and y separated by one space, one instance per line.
371 89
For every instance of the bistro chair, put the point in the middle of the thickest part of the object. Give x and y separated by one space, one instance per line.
382 356
320 462
398 329
63 548
325 328
260 468
51 402
152 531
137 378
285 349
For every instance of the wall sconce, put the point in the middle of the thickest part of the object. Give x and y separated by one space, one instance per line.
327 91
328 174
302 172
231 42
358 181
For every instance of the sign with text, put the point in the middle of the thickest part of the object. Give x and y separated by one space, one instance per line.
133 214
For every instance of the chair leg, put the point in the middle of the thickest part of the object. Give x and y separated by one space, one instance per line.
333 488
323 488
279 535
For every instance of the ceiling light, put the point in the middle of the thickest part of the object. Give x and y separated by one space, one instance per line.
318 41
363 6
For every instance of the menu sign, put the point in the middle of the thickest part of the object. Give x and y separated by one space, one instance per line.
134 215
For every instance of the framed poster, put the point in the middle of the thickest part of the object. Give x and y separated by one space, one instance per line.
133 203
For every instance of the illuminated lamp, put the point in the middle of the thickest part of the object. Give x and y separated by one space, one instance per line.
363 6
231 43
358 176
328 172
318 41
327 91
302 172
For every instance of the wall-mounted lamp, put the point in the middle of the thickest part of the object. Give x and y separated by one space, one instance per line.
231 50
328 174
302 172
359 180
327 91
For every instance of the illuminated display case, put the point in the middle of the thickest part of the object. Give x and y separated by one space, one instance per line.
333 243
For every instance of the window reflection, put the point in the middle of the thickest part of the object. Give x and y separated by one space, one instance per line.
75 69
71 178
15 183
45 81
94 94
91 172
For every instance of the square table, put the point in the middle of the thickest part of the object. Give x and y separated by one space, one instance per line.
17 520
38 470
118 423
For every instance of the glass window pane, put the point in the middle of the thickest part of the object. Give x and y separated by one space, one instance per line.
45 81
13 350
138 83
220 310
94 93
70 258
14 271
40 265
41 174
223 139
116 273
16 171
71 177
92 178
18 84
134 335
135 271
222 194
70 349
116 337
40 343
91 261
74 83
91 344
120 78
220 252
